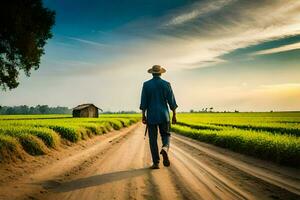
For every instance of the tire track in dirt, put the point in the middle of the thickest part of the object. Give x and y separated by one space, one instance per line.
211 184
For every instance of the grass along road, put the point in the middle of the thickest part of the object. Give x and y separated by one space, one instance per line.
269 136
21 136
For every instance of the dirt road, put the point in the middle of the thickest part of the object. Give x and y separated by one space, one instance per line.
115 166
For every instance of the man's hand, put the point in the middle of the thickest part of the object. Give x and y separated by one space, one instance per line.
144 120
174 120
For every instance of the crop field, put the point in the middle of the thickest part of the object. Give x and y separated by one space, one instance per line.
269 136
37 134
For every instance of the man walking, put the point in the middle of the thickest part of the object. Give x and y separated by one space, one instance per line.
157 94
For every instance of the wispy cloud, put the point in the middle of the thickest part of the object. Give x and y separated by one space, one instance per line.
199 34
200 39
89 42
283 86
196 10
283 48
209 37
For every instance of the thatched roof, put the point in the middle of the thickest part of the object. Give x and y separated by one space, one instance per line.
83 106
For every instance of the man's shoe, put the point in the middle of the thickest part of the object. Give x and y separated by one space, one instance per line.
155 166
165 156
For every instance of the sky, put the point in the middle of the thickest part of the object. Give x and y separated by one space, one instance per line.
226 54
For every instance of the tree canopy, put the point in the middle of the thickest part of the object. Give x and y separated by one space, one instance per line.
25 26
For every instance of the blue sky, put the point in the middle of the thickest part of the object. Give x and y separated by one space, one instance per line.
229 54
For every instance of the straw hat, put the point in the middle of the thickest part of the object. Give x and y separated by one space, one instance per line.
156 69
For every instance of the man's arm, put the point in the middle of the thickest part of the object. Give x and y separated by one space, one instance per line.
172 103
144 105
174 119
144 119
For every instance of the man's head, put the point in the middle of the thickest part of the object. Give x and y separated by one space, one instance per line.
156 70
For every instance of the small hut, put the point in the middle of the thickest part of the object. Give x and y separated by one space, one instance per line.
86 110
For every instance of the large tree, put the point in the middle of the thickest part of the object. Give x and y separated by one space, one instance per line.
25 26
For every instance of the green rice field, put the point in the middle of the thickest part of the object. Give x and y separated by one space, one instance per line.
37 134
269 136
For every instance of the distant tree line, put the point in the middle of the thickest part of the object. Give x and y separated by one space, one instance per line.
211 109
203 110
120 112
39 109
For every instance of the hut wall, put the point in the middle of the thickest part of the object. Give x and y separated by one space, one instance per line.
84 112
93 111
90 111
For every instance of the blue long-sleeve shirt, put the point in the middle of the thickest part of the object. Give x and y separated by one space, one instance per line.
157 94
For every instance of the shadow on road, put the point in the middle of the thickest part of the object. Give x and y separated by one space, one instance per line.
93 180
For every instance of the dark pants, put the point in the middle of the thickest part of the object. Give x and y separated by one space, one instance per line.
164 130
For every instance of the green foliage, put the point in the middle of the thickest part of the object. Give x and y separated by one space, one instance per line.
31 117
66 132
32 144
281 123
25 28
270 127
39 109
48 136
36 133
9 148
269 136
200 126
